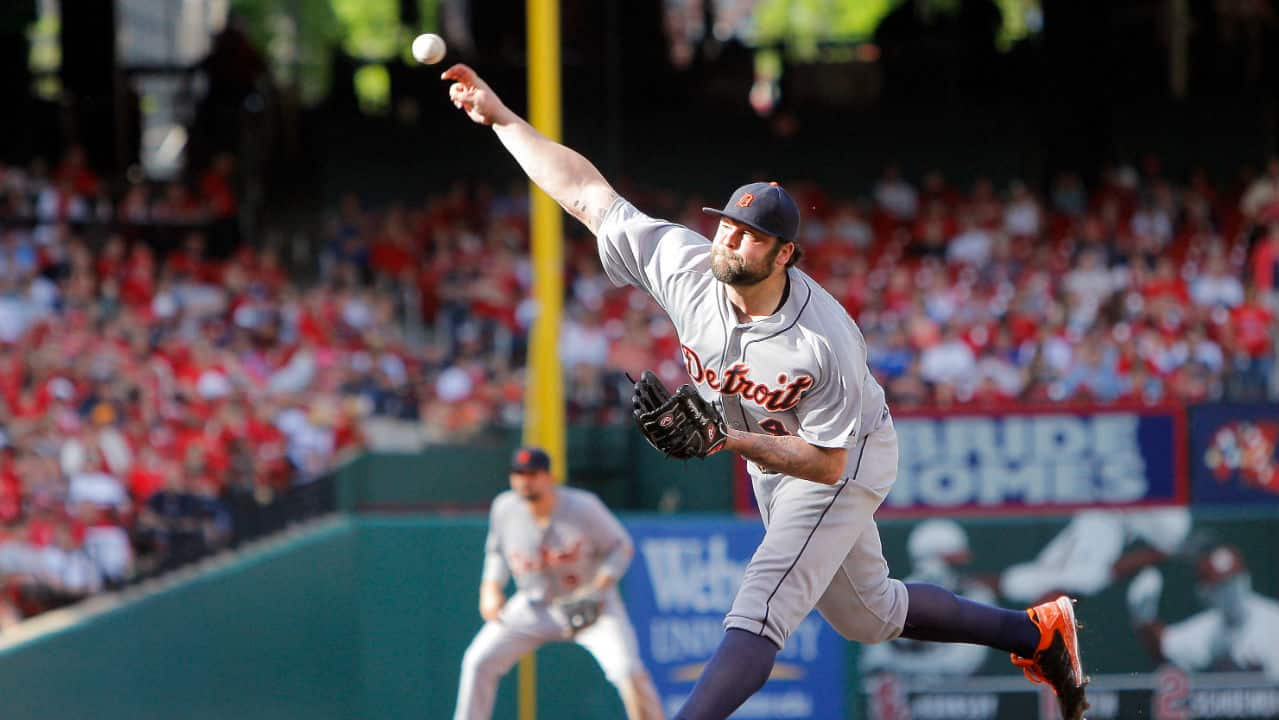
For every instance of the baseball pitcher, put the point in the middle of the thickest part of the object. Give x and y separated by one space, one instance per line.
566 552
779 376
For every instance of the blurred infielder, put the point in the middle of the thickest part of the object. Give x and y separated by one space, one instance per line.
781 379
566 551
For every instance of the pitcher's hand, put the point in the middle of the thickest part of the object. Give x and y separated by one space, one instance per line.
473 96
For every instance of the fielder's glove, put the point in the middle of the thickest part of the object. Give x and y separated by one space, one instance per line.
580 611
682 425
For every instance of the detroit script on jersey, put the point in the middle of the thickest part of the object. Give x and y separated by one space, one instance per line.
547 557
581 539
736 380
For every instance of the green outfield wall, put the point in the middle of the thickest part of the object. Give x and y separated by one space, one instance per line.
368 617
269 635
357 618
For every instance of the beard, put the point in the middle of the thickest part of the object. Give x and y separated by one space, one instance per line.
733 270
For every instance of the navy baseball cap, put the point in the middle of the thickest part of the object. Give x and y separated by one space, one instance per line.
530 459
764 206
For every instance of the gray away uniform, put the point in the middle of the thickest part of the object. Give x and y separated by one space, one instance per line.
801 371
581 539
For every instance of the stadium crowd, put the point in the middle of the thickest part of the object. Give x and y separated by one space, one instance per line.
1138 290
158 382
159 400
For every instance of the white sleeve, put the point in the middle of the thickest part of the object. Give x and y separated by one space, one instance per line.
650 254
828 413
494 564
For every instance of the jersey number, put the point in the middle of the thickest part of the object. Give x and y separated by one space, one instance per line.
773 426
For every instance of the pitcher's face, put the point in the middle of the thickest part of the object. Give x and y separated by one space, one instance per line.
743 256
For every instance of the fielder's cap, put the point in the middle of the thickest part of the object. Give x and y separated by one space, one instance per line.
1219 564
937 538
530 459
764 206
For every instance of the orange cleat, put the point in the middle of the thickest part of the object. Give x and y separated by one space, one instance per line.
1056 660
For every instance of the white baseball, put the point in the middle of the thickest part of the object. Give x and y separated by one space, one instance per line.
429 48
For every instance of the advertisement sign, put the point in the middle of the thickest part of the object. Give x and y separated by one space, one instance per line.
678 589
1165 694
1234 453
1184 633
1039 461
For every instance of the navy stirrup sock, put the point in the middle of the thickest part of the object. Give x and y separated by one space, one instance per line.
739 667
939 615
743 661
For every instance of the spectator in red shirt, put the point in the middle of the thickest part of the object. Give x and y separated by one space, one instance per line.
1252 329
146 476
1253 324
1166 283
74 170
1265 259
217 187
394 250
11 490
192 264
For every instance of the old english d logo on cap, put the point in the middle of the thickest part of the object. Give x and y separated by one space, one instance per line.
530 459
765 207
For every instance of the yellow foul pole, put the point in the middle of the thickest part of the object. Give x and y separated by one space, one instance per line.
544 389
544 394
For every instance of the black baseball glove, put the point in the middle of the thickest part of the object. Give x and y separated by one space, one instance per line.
580 610
682 425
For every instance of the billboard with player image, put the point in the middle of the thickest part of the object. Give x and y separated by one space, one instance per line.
679 587
1181 612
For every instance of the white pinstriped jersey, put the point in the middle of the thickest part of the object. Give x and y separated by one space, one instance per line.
800 371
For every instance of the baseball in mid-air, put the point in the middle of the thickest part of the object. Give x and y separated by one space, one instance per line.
429 48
